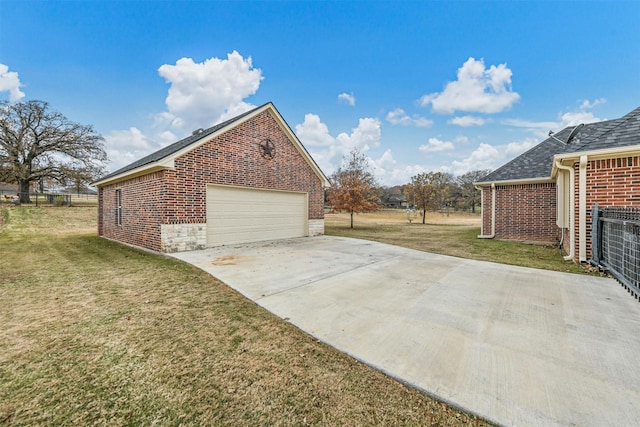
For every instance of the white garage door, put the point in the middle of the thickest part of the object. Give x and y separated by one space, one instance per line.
241 215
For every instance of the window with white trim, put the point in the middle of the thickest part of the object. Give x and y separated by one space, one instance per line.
118 207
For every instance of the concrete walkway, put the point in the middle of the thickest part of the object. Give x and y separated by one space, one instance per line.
516 346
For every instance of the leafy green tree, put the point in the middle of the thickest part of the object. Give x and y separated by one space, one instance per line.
353 186
37 143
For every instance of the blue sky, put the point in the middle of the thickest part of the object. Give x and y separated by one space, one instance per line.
416 86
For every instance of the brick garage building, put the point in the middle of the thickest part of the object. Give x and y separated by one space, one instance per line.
247 179
547 193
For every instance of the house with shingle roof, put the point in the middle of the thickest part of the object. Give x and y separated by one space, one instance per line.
247 179
547 193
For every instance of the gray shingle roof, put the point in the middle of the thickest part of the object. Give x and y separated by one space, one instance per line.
617 133
538 161
534 163
177 146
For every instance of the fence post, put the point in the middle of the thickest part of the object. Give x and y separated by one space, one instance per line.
596 235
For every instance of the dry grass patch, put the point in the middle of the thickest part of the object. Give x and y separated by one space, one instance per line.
96 333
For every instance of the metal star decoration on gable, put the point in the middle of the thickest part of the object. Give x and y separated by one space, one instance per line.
268 149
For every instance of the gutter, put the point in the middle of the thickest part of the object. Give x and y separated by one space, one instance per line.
572 210
493 215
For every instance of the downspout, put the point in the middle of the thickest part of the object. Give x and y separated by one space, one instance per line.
572 211
493 215
582 214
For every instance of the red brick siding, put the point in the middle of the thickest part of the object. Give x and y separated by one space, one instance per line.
143 209
526 212
610 182
178 196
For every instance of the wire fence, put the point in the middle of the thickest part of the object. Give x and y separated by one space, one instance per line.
616 244
53 199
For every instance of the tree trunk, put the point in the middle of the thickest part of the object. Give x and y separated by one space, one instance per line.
24 191
424 215
473 207
351 219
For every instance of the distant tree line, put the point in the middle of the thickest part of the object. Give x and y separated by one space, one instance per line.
354 190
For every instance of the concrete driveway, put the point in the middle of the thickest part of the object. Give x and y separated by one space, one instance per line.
516 346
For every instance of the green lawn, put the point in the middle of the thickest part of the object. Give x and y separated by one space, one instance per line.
97 333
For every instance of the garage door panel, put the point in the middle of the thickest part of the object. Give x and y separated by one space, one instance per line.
238 215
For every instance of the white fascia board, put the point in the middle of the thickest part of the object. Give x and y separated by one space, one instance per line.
298 144
523 181
605 153
133 173
169 161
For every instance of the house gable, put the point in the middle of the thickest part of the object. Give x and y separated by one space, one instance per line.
164 158
163 201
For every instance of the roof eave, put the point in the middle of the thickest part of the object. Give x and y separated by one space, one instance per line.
134 173
605 153
522 181
168 161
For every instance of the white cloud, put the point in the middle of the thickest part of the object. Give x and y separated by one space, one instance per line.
399 117
587 105
435 145
570 118
477 89
204 93
364 137
466 121
463 139
126 146
573 118
388 172
347 98
10 82
487 156
484 157
328 151
313 133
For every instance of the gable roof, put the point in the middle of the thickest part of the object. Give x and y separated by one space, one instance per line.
538 162
164 158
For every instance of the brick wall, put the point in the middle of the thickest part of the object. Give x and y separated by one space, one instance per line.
610 182
526 212
178 196
143 210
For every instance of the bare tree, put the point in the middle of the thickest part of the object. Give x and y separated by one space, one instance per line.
468 195
353 186
36 143
79 176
